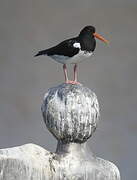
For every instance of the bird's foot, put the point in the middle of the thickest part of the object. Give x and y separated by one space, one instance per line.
72 82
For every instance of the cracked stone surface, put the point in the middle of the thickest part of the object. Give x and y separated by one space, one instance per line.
32 162
71 114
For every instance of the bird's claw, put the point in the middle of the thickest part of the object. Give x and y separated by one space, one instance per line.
72 82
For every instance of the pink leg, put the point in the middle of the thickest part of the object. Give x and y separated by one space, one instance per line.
65 73
75 73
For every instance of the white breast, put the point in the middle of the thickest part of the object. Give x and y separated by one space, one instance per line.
72 60
79 57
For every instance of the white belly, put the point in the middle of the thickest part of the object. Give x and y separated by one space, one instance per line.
72 60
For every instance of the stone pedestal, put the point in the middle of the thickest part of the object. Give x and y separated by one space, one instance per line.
71 114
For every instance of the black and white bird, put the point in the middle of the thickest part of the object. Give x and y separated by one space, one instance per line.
74 50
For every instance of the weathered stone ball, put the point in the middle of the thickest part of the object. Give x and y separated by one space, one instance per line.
71 112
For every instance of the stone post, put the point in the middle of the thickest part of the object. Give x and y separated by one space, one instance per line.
71 113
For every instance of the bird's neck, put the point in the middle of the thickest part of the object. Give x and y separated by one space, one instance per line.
87 42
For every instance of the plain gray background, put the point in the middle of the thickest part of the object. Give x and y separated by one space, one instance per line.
27 26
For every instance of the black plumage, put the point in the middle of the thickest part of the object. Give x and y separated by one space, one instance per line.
64 48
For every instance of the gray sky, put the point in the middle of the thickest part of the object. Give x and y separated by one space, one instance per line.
28 26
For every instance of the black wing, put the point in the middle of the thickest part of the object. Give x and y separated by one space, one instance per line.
65 48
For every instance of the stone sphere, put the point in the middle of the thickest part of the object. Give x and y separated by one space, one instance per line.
71 112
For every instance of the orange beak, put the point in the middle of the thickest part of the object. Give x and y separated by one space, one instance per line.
101 38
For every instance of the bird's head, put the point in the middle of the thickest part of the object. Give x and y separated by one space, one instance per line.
90 31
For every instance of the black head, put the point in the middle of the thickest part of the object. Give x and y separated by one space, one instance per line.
88 30
87 38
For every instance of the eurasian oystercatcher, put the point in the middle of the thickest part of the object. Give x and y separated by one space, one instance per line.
74 50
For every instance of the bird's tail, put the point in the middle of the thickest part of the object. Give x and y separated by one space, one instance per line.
44 52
